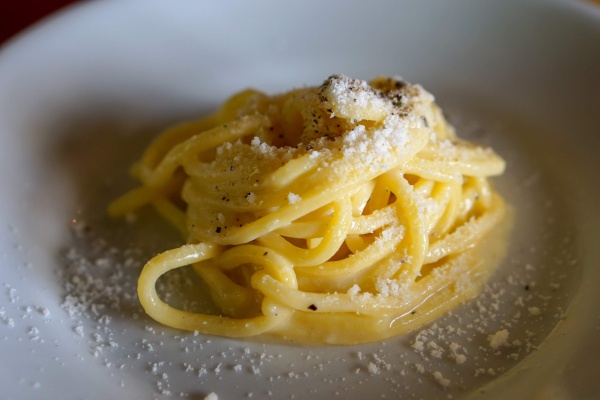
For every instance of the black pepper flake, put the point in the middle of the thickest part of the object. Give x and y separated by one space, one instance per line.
526 287
265 253
231 168
312 307
413 312
425 122
218 230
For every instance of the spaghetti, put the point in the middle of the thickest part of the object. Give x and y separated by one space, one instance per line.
344 213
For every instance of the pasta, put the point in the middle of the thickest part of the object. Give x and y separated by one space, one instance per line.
345 213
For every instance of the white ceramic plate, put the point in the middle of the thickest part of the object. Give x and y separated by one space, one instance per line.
81 93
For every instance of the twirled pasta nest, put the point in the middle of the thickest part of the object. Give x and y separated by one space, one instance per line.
344 213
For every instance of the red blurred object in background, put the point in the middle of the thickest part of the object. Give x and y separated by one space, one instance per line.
18 15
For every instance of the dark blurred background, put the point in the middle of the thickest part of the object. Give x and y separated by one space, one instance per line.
18 15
